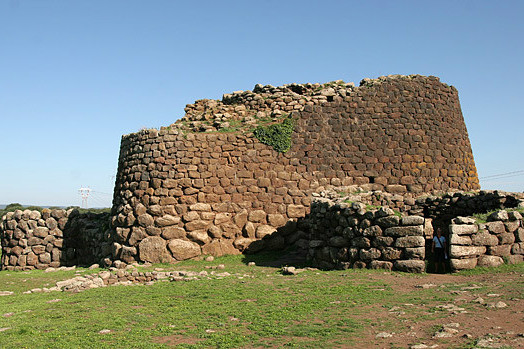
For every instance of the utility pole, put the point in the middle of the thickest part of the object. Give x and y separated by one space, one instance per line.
84 193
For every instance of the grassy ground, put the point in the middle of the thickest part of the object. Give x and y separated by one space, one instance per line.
254 307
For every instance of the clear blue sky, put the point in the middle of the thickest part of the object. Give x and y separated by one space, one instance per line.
76 75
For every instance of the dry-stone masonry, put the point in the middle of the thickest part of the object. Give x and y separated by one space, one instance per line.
53 238
188 189
489 244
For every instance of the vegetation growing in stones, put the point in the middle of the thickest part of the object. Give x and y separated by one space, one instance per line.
483 217
277 136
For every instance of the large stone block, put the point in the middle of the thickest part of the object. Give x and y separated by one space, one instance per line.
153 249
410 266
506 238
257 216
414 230
455 239
484 238
264 230
167 220
490 261
461 264
414 253
370 254
517 248
500 250
410 241
412 220
388 221
460 229
183 249
496 227
457 251
296 211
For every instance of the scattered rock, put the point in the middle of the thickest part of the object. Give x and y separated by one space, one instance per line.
6 293
289 271
384 335
104 331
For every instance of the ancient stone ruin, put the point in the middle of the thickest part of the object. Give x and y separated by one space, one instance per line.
240 175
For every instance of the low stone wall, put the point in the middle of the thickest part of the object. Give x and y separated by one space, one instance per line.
349 235
489 244
53 238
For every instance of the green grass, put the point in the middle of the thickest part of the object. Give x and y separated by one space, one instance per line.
263 308
482 217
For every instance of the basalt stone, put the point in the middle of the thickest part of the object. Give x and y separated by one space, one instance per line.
361 242
517 248
381 265
370 254
153 249
382 241
167 220
489 261
484 239
412 220
183 249
405 231
374 230
461 264
463 229
390 253
410 241
457 251
496 227
463 220
506 238
257 216
498 216
455 239
414 253
410 266
500 250
264 230
387 222
338 241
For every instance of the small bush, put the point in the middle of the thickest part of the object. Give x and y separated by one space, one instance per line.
277 135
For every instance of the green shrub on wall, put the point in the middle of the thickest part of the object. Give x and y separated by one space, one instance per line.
276 135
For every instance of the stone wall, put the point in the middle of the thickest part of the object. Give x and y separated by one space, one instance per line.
489 244
180 194
347 235
53 238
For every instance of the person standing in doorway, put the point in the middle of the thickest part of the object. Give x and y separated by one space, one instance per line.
438 248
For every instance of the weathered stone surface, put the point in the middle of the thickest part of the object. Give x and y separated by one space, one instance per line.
461 264
183 249
200 207
390 253
499 216
296 211
514 259
410 266
500 250
167 220
276 220
412 220
173 232
153 249
374 230
128 253
414 253
389 221
264 230
145 220
415 230
410 241
381 265
506 238
361 242
484 239
219 248
257 216
457 251
370 254
41 232
455 239
199 236
489 261
517 248
137 235
463 229
197 225
382 241
496 227
463 220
